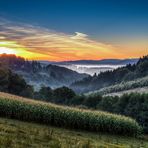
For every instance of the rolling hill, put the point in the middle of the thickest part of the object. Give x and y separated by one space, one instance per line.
117 76
15 133
39 75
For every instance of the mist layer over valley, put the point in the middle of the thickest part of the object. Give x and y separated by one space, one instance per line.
92 66
91 69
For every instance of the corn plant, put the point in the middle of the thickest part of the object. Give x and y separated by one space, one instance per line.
62 116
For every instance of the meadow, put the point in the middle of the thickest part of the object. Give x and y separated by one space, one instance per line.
17 134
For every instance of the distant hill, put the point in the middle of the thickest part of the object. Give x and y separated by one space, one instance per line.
39 75
104 79
104 61
46 62
92 66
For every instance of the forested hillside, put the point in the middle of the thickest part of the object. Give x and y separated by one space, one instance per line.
13 83
104 79
139 84
38 75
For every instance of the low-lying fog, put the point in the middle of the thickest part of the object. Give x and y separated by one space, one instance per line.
90 69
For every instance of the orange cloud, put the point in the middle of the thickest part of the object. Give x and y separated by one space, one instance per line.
42 44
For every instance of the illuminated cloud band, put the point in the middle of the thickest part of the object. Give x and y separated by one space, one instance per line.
34 42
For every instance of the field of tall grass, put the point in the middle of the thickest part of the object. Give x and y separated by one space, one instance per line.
61 116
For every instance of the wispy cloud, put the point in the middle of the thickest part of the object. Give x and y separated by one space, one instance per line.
42 43
79 35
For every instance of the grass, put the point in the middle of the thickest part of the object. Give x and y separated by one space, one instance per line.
124 86
50 114
17 134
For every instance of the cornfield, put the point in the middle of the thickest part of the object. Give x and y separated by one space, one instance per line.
45 113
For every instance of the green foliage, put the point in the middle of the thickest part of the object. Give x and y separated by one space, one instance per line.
92 102
28 92
16 84
107 103
133 105
77 100
63 95
60 95
4 79
13 83
27 110
45 93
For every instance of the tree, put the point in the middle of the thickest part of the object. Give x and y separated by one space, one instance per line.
108 103
77 100
4 79
92 101
45 93
27 92
63 94
16 84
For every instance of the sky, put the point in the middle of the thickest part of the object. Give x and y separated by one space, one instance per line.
61 30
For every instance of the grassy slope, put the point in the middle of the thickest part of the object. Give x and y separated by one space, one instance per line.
139 85
137 90
22 134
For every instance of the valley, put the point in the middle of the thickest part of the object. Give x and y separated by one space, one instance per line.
73 74
39 75
90 69
92 66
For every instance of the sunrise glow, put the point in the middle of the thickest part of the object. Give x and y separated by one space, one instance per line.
36 43
7 50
